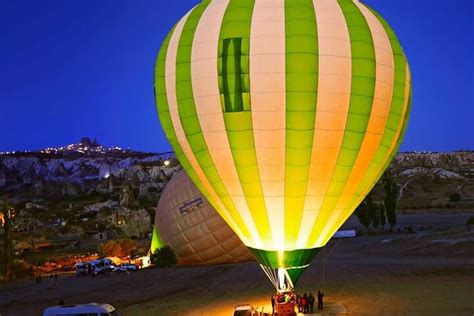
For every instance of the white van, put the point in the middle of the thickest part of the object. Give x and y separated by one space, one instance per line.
91 309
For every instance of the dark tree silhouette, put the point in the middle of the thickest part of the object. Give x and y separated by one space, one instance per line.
382 215
363 214
163 257
455 198
391 197
373 211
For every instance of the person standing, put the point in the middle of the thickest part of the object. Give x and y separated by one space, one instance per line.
311 300
320 300
273 299
298 302
304 303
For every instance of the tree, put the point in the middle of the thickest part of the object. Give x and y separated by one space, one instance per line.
368 213
391 197
363 214
373 211
382 215
117 248
455 198
110 249
163 257
470 222
128 246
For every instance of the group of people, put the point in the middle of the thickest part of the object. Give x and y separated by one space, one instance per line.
53 277
305 303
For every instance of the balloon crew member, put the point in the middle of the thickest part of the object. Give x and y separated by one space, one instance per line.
320 300
311 300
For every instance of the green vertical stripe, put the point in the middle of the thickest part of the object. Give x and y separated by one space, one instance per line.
383 156
190 120
236 27
301 90
360 106
165 117
236 24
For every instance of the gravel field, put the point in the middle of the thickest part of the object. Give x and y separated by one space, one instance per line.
429 273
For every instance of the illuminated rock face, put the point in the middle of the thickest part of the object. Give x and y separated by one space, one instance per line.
191 226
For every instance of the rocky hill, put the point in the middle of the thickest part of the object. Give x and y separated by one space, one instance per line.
87 189
84 190
430 180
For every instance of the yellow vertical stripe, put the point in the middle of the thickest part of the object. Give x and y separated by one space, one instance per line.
208 107
267 77
181 137
384 79
331 110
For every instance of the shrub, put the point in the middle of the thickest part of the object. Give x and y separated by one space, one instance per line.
21 269
455 198
470 221
163 257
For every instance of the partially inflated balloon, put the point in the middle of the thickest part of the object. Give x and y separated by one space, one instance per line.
284 113
186 221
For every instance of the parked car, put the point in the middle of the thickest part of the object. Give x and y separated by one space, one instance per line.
81 309
94 267
97 269
124 267
82 268
108 264
245 310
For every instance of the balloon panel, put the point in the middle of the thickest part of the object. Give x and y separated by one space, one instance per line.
284 113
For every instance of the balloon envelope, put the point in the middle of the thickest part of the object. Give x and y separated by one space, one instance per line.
186 222
284 114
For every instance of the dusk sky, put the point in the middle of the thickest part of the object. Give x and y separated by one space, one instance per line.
73 69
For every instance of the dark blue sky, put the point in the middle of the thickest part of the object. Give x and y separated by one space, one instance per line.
85 68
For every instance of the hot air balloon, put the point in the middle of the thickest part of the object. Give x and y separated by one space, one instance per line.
284 114
187 222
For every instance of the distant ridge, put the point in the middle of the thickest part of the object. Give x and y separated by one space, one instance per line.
84 148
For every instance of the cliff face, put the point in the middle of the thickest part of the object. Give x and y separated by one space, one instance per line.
81 168
428 180
87 186
55 177
92 187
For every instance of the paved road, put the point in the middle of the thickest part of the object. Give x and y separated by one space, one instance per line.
437 221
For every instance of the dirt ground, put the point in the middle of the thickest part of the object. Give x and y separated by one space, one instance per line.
428 273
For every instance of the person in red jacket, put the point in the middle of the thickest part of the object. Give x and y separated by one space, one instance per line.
304 303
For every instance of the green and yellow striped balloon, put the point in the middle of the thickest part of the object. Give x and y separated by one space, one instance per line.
284 113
